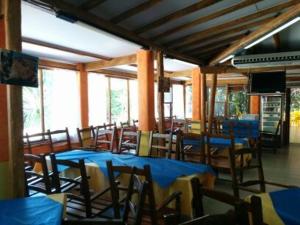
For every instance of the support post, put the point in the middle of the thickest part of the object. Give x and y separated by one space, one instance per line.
12 19
254 104
203 102
212 102
160 94
84 98
196 94
145 75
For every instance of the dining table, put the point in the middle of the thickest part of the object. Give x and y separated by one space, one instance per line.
168 175
38 210
281 207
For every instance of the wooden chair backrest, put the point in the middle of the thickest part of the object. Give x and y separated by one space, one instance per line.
60 140
162 143
129 140
105 139
135 123
178 124
86 136
32 141
110 126
241 207
30 161
135 183
61 182
194 137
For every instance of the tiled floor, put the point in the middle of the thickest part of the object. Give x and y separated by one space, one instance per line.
282 167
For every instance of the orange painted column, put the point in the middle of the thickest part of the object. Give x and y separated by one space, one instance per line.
4 149
254 104
84 97
196 94
145 76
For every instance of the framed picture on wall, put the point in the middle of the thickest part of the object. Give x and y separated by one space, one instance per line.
17 68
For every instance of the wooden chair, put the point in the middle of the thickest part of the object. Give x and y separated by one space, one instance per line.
110 126
105 139
192 147
60 140
35 141
221 162
154 213
135 123
35 181
161 143
86 137
244 212
256 164
129 142
271 140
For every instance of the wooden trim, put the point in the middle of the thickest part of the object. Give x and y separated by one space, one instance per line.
12 19
203 102
62 48
84 96
52 64
117 74
212 102
135 10
41 78
123 60
175 15
160 95
204 19
277 22
90 4
100 23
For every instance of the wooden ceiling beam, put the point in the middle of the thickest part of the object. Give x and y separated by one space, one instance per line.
62 48
135 10
263 30
204 19
100 23
53 64
203 36
123 60
175 15
90 4
232 23
214 43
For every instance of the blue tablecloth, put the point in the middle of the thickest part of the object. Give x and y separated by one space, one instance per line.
31 211
164 171
241 128
216 141
287 205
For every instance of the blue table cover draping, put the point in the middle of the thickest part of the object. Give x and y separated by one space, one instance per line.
31 211
287 205
221 142
241 128
164 171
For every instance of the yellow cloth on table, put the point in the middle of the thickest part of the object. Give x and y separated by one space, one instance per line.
61 198
270 215
99 182
144 143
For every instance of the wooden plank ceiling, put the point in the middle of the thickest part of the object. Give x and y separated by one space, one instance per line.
191 30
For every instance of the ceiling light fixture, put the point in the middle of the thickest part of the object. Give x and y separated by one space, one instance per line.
226 59
291 22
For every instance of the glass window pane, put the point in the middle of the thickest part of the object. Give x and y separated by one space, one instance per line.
119 100
178 102
61 100
188 97
134 103
32 110
238 102
98 99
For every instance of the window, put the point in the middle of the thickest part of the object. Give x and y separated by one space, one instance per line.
178 101
237 101
98 99
119 100
220 101
188 101
61 99
32 113
133 98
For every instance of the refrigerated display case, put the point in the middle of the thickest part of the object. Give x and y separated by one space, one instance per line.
271 113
